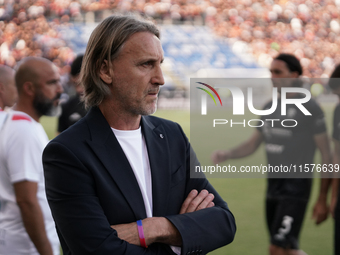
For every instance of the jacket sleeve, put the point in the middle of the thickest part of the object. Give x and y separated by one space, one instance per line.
208 229
80 220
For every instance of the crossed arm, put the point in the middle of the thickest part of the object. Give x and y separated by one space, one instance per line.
160 229
82 223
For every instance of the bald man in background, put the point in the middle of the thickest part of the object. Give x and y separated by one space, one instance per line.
26 224
8 90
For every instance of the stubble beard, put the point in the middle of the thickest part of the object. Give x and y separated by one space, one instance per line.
140 107
148 109
45 106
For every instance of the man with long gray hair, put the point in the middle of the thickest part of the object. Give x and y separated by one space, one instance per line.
118 181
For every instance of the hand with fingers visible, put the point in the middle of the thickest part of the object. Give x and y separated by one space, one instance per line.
320 212
219 156
197 201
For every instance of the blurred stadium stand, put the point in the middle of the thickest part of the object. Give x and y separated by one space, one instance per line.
189 51
200 38
186 48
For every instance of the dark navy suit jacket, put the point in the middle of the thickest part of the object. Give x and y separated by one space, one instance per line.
90 185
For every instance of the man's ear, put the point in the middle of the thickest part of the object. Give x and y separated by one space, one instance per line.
29 88
105 73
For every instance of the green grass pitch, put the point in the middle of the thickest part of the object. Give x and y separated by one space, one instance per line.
245 198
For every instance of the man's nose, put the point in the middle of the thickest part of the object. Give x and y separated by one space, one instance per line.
158 78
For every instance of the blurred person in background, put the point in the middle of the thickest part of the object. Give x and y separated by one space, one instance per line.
8 90
74 109
334 84
26 223
286 199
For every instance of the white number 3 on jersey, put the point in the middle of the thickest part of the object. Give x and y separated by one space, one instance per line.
286 227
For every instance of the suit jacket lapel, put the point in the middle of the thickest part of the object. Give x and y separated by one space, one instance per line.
105 145
159 157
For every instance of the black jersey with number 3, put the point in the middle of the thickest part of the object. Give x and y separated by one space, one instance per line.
289 142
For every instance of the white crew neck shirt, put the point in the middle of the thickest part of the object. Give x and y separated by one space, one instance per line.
134 147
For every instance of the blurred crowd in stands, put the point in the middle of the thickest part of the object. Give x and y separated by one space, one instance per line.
308 29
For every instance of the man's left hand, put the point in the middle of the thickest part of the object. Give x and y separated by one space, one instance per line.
320 212
197 201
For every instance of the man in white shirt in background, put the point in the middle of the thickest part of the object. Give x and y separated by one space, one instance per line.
26 224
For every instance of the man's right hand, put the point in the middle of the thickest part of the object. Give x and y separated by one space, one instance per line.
219 156
196 201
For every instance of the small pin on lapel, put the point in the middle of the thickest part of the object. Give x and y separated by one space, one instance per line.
161 136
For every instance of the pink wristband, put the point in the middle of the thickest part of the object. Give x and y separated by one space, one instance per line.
141 234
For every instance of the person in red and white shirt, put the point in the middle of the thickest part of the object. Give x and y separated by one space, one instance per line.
26 223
